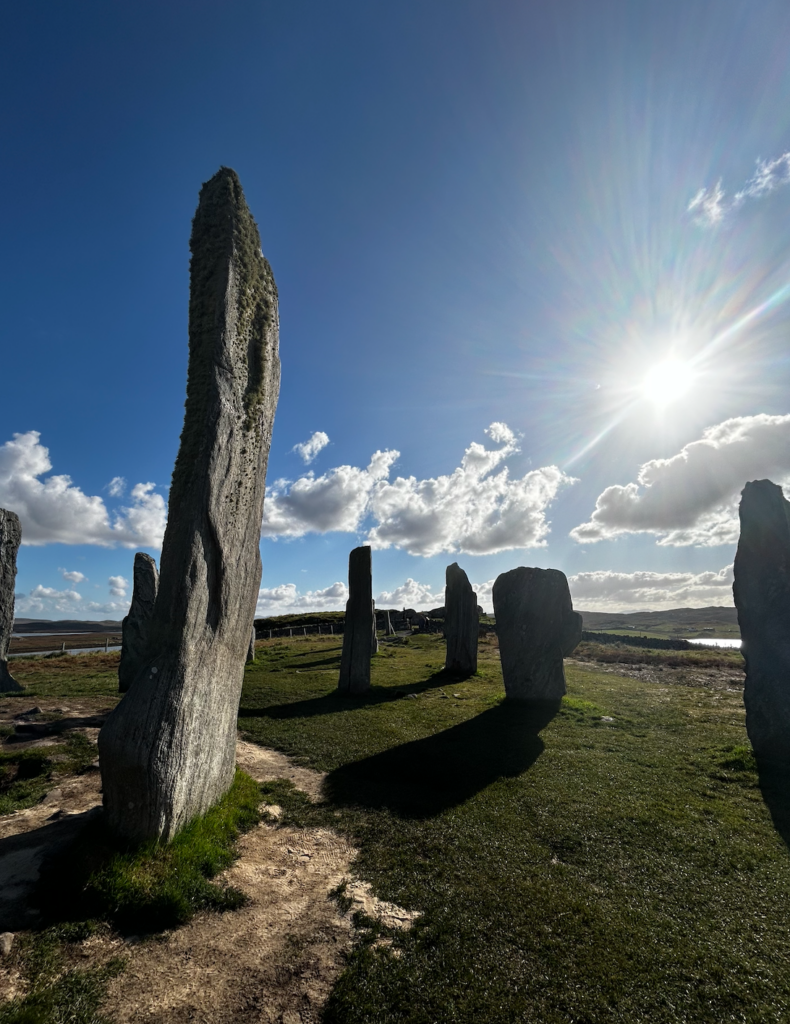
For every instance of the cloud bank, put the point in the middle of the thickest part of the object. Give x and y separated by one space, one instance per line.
55 511
710 205
655 591
472 510
51 603
692 498
308 449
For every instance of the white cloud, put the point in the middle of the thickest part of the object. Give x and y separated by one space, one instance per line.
288 600
116 486
692 498
710 205
411 594
624 592
471 509
337 500
49 603
308 449
55 511
73 576
118 586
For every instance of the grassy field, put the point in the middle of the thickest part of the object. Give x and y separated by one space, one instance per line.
610 860
614 861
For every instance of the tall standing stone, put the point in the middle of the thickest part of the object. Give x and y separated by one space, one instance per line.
135 624
388 630
167 753
10 539
251 648
359 632
461 624
537 627
762 597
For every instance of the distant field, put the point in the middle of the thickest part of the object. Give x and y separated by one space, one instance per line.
691 623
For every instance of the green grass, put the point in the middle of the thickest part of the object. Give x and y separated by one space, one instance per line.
567 868
155 886
27 775
59 994
68 675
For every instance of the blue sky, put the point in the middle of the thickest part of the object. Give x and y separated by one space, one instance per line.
477 213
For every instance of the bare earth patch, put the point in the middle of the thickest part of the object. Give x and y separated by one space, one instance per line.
275 959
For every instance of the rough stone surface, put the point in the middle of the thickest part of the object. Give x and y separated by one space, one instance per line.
537 627
251 649
460 622
762 598
10 539
135 624
388 630
359 632
167 751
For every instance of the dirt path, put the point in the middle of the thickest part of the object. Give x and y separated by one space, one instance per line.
275 960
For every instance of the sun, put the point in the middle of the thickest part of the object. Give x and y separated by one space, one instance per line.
667 382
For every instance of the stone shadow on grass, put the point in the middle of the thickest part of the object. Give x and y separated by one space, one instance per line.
425 777
334 702
775 788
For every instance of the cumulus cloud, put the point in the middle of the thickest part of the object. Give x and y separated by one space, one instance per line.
48 602
473 509
657 591
116 486
287 599
710 205
118 586
692 497
308 449
72 576
411 594
337 500
54 510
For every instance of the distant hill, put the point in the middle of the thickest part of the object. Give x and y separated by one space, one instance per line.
675 622
65 626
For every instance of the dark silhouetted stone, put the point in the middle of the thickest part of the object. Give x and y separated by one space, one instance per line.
460 622
167 752
762 598
146 584
537 627
10 539
359 632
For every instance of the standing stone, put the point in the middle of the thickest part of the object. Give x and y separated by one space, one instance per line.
461 624
762 597
359 633
537 627
10 539
251 651
135 624
167 753
388 630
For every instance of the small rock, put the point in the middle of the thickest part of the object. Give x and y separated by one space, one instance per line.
411 696
27 714
6 942
606 718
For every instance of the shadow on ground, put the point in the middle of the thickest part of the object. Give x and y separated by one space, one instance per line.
334 702
422 778
775 788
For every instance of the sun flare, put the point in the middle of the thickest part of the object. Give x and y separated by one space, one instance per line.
667 382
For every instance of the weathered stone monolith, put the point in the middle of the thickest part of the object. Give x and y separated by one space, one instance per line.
537 627
167 753
251 649
762 598
460 622
388 630
359 633
10 539
145 586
